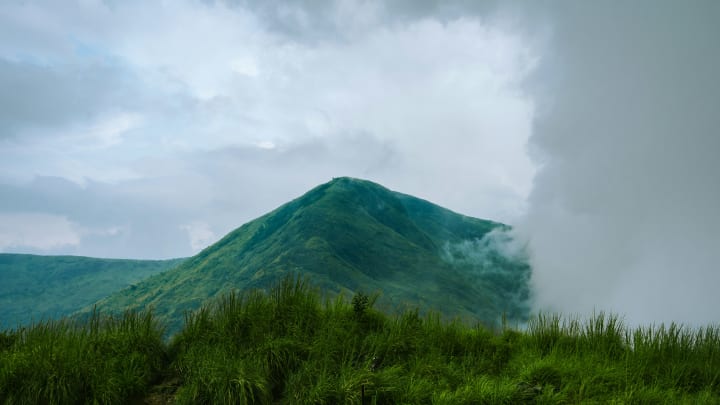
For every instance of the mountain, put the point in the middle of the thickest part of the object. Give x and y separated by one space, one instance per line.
353 235
40 287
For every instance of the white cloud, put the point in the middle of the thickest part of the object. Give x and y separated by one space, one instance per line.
245 66
36 231
108 131
200 235
223 112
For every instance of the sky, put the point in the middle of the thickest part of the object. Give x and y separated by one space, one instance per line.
150 129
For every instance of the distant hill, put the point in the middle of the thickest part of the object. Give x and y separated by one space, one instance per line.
40 287
349 235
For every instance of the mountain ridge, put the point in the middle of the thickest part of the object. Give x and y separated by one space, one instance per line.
38 287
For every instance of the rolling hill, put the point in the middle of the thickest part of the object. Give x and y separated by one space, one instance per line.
41 287
353 235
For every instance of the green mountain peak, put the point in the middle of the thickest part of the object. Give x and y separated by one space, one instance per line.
348 235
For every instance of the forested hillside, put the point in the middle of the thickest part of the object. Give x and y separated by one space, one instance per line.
39 287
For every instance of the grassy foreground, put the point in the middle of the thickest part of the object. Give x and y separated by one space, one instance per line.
288 346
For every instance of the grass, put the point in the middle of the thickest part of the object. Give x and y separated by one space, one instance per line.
103 360
290 346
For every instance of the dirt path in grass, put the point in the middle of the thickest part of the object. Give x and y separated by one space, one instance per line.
161 393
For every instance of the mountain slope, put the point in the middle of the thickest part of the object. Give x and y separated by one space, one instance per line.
350 235
39 287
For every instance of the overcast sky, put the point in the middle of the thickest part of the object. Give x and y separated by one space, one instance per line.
149 129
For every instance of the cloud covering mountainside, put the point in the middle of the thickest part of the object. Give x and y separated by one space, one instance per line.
623 213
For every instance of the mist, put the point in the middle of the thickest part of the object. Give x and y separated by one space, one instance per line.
623 214
498 262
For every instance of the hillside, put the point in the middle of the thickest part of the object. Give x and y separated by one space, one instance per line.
349 235
39 287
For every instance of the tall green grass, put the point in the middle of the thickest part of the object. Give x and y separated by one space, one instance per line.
305 351
290 346
103 360
602 359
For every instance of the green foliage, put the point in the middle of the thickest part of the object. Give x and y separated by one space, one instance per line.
106 360
41 287
360 303
7 339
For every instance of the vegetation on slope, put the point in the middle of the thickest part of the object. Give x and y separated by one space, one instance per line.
288 346
349 234
43 287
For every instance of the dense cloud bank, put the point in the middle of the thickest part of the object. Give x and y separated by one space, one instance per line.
623 213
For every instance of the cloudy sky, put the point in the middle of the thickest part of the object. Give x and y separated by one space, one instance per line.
149 129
